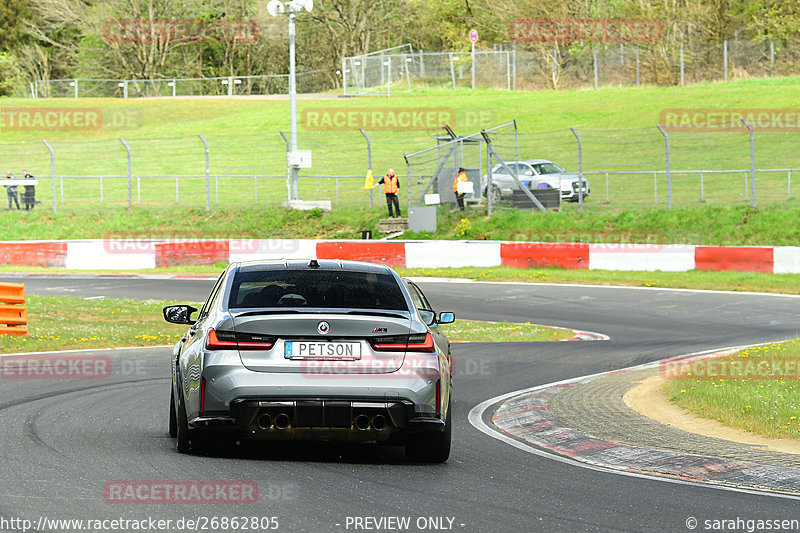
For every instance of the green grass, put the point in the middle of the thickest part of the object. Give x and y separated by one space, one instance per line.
243 139
477 331
768 405
63 323
771 225
708 280
696 279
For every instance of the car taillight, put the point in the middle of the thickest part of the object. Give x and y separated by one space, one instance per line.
395 343
228 340
222 340
421 343
249 341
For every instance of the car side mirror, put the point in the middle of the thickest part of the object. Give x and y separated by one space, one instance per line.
427 316
179 314
447 317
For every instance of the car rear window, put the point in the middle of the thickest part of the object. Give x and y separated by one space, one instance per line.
316 288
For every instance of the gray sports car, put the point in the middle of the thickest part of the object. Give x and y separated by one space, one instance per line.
313 350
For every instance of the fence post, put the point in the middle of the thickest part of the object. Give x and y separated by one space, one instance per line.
406 60
369 164
580 169
608 195
669 169
771 58
655 187
128 150
489 165
594 60
473 64
344 76
682 67
408 184
288 169
555 67
208 176
452 70
637 66
52 172
514 67
702 188
752 159
516 140
725 59
789 191
75 83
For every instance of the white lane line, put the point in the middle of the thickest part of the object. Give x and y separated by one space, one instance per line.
476 419
94 298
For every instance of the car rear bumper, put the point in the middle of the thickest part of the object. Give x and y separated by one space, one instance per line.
341 419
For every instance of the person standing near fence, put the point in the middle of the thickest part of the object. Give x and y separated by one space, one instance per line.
29 196
391 186
461 177
11 190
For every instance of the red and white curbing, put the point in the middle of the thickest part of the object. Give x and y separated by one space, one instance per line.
133 254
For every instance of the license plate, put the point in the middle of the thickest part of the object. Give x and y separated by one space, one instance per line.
340 351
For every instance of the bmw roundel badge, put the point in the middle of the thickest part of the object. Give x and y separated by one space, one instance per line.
323 327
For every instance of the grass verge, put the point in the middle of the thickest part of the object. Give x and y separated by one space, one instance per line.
477 331
695 279
63 323
722 225
756 389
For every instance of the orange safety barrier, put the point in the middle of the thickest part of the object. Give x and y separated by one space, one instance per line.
13 313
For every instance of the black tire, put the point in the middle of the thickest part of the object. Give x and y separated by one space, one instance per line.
432 447
173 419
184 435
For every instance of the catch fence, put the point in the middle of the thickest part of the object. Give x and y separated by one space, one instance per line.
624 168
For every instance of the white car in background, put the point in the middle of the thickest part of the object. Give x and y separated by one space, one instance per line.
538 173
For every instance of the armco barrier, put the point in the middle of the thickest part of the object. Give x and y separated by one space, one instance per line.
137 254
13 313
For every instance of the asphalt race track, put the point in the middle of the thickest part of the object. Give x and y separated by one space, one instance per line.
62 441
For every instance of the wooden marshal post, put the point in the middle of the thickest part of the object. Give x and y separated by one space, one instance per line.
13 312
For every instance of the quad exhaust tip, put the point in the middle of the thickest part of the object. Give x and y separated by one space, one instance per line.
282 421
361 422
378 422
264 421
